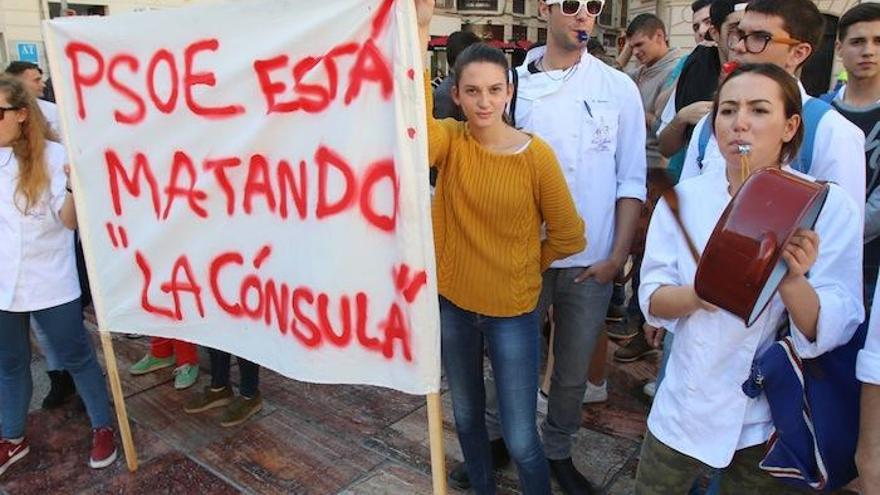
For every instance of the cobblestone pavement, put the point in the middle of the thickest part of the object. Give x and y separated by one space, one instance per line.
308 439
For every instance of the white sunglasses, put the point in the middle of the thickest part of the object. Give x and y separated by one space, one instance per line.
572 7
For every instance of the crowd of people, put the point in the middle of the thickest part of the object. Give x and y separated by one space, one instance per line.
548 180
622 130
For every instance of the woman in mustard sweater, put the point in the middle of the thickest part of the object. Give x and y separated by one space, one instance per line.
497 186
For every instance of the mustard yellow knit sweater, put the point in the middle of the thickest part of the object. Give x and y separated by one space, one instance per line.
488 211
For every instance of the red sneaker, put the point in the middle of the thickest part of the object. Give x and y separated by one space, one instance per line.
103 448
10 453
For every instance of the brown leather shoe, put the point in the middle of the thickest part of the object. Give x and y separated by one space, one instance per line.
636 349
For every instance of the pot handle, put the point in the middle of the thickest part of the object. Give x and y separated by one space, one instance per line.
765 254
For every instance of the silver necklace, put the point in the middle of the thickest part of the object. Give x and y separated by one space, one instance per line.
566 74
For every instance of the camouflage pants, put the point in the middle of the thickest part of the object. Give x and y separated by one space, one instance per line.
665 471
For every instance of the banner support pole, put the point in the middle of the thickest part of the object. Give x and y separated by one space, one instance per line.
435 435
119 401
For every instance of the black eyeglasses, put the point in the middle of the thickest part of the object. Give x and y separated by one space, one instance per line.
572 7
757 41
3 111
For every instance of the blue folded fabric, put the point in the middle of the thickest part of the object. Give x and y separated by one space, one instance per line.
815 408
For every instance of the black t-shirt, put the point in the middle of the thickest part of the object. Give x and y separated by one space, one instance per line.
868 120
698 79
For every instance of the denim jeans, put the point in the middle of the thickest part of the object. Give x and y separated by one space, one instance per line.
513 348
634 309
67 337
53 362
221 362
579 316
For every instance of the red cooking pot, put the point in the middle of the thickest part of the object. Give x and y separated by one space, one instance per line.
742 266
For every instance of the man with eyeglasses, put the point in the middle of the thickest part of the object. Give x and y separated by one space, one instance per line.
592 116
785 33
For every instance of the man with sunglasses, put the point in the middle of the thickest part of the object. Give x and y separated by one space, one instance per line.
786 33
572 8
592 117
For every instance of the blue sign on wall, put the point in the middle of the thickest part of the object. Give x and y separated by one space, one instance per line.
28 52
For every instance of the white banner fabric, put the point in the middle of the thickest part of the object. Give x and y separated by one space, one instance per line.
252 177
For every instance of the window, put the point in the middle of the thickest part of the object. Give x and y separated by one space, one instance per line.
519 33
495 32
542 35
478 5
519 6
609 40
605 16
79 9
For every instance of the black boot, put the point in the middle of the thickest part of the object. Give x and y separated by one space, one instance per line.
569 478
458 478
62 388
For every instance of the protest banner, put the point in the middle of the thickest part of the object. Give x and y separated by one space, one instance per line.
252 177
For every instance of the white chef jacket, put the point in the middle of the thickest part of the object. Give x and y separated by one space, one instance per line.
37 261
838 154
592 116
50 112
701 410
868 363
668 112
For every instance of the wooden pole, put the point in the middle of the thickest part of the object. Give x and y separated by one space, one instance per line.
119 401
438 454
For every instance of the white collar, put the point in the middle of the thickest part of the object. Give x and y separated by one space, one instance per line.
804 95
5 155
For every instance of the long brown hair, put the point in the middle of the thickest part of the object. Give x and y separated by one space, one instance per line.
30 146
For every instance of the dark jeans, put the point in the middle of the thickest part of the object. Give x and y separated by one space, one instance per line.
513 348
250 373
634 309
579 316
68 339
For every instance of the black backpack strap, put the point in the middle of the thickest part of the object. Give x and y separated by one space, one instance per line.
514 78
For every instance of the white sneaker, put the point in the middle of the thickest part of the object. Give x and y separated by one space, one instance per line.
595 394
650 389
542 402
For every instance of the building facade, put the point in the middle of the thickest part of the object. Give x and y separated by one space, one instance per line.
510 22
21 36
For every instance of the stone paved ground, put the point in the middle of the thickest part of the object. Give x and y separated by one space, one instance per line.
309 439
